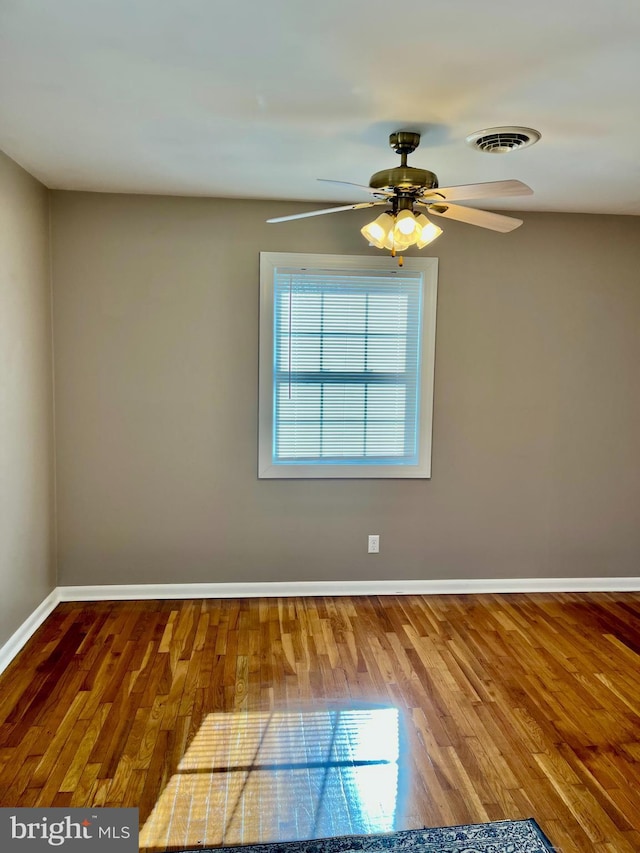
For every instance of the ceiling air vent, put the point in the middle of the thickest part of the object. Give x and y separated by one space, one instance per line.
502 140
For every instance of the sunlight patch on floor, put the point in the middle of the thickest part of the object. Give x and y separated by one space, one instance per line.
258 776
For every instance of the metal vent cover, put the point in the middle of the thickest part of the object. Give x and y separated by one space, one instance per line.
503 140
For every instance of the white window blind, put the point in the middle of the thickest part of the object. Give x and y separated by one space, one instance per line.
346 366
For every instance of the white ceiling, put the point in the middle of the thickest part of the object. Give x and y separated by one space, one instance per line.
258 98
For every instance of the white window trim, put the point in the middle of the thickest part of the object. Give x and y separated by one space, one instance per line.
269 261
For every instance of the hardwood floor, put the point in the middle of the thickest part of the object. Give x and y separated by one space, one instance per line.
235 721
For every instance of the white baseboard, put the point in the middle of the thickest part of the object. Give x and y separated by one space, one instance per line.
30 625
118 592
132 592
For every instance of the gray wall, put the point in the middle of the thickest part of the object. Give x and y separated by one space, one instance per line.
27 571
536 460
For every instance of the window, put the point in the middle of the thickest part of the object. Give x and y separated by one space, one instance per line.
346 366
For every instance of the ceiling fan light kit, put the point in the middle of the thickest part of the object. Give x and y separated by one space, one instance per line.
397 234
403 187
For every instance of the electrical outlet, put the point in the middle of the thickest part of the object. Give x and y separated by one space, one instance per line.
373 544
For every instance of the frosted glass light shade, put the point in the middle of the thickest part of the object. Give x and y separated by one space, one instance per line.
406 223
376 232
428 231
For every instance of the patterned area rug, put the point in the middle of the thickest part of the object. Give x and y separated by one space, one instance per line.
505 836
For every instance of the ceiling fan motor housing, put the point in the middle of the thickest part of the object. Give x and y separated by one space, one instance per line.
405 178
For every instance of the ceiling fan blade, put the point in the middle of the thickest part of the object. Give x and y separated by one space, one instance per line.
483 218
326 210
351 184
485 190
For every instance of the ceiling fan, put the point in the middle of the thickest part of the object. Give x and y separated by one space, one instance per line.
404 188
